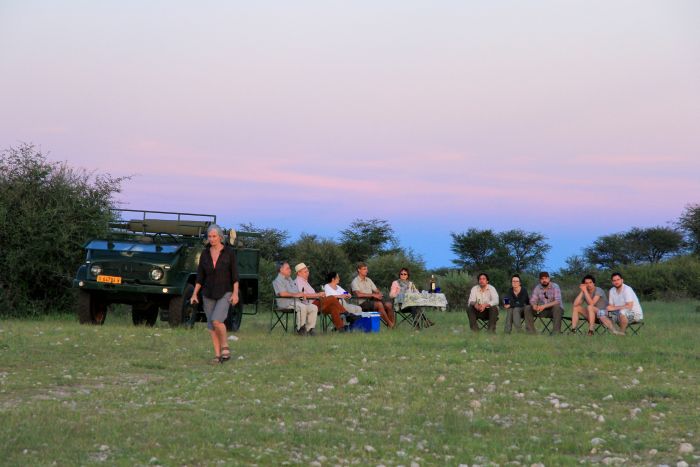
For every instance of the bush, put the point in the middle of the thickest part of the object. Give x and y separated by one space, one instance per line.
47 212
267 273
676 278
456 286
321 256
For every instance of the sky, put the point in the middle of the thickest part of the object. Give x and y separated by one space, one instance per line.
574 119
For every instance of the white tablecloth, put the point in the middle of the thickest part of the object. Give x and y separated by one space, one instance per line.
434 300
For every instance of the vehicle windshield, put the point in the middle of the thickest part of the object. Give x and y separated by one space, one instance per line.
133 247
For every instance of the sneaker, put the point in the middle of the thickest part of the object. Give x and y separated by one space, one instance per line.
301 331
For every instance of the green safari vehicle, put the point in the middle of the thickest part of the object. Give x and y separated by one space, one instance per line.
149 261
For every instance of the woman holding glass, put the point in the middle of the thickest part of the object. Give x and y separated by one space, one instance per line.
333 289
217 278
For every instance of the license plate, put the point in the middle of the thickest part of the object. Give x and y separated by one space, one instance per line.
109 279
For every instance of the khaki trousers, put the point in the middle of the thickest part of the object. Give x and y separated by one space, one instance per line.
306 314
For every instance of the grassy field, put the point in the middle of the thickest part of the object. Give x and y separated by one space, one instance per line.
117 394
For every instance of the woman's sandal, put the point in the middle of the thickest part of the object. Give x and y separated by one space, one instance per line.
225 354
590 332
216 361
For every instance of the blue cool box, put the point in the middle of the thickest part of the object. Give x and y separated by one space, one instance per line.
369 322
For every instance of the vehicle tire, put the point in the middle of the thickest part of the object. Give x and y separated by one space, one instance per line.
179 309
91 309
137 315
144 314
235 315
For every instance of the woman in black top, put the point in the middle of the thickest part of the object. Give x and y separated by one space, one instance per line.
217 277
515 302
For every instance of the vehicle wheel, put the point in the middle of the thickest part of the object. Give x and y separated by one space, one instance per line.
91 309
235 315
151 315
137 315
144 314
180 310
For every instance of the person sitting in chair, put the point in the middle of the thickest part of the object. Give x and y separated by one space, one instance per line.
483 304
333 289
402 286
327 305
589 303
623 306
286 290
370 296
516 302
545 302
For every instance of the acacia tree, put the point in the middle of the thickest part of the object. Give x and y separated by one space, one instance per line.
364 239
653 244
47 211
689 222
525 250
511 251
609 251
476 249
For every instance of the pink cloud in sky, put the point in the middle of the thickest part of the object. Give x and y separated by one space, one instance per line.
453 114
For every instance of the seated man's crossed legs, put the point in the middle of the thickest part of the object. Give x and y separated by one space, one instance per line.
331 306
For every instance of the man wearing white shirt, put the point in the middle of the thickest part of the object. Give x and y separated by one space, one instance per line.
483 304
623 305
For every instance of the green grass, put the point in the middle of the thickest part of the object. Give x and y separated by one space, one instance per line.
118 394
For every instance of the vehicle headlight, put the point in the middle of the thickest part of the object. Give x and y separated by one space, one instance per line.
95 269
156 274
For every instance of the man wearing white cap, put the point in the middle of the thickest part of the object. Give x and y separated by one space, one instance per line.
326 305
286 290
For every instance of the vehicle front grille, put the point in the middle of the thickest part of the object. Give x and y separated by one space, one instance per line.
128 271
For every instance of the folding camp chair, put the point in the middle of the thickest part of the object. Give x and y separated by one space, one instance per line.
402 315
280 316
635 327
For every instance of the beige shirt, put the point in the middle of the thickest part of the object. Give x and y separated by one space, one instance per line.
363 286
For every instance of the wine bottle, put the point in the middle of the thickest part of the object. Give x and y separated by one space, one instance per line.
432 283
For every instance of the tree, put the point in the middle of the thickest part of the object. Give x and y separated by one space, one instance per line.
47 211
511 251
321 256
576 266
364 239
525 250
689 222
271 241
477 250
653 244
609 251
637 245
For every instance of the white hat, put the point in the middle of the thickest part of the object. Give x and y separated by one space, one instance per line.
299 267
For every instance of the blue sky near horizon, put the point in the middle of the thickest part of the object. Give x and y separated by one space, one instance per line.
575 119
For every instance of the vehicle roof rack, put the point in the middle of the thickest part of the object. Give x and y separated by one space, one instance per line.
179 223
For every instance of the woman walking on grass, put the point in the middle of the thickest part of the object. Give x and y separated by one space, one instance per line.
217 277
